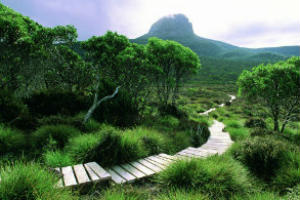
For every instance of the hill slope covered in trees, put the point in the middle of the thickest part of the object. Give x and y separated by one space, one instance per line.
221 61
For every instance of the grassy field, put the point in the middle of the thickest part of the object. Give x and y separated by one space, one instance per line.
234 175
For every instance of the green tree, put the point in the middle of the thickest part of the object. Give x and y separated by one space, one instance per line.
275 86
175 62
26 49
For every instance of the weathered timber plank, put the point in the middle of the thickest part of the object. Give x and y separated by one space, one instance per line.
92 174
81 174
116 177
142 168
60 181
172 158
101 173
160 160
155 163
134 171
149 165
68 176
124 174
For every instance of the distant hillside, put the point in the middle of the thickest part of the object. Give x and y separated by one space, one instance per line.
221 61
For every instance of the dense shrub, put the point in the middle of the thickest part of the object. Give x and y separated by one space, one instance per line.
76 121
262 155
30 182
120 111
10 106
171 110
182 195
217 177
106 149
288 174
168 121
60 134
56 101
200 135
11 141
57 159
152 142
255 122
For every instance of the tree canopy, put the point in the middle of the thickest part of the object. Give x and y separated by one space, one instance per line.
277 86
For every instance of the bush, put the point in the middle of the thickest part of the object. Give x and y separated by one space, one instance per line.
237 134
121 111
56 101
60 134
30 182
182 195
171 110
255 123
219 177
107 149
260 132
57 159
151 141
289 173
10 106
199 136
169 121
262 155
11 141
76 121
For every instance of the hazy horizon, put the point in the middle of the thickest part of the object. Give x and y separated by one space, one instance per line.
251 24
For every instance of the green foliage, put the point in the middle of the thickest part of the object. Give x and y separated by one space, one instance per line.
29 182
294 193
175 63
11 141
177 194
217 177
120 111
59 134
76 121
107 147
57 159
276 87
255 122
262 155
55 101
10 106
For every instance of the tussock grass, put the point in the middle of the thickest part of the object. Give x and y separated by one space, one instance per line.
217 176
30 182
60 134
11 141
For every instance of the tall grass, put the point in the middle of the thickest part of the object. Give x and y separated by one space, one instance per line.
216 177
30 182
11 141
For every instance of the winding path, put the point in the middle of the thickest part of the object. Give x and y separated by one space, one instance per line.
82 174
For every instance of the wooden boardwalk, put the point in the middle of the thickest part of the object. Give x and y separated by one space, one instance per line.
80 174
217 143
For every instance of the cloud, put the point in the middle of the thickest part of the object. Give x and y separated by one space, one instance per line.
250 23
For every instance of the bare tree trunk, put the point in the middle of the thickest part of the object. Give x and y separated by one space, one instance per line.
97 102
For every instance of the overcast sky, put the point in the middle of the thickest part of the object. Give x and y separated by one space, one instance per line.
247 23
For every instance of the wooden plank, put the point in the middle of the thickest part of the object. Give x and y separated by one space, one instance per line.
150 165
81 174
172 158
160 160
186 154
194 153
101 173
115 177
134 171
69 177
60 181
156 163
92 174
142 168
124 174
